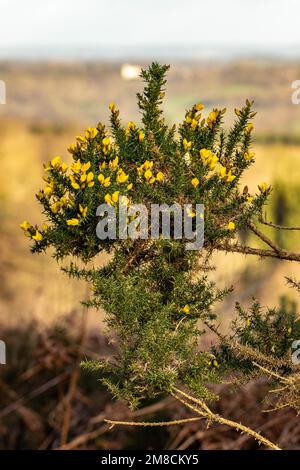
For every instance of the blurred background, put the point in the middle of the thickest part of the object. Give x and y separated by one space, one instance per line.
62 63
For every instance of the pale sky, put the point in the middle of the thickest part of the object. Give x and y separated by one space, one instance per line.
111 23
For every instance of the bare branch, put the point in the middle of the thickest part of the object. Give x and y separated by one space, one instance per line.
247 250
277 226
263 237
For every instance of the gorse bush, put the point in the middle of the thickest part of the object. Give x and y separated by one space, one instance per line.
156 294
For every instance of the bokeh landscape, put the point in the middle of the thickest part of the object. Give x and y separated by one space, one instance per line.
48 103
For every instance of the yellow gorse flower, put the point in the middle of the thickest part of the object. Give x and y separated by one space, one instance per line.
160 177
199 106
106 145
195 182
73 222
85 167
25 225
249 155
55 162
222 171
263 187
147 165
212 118
64 167
186 309
106 141
131 125
227 176
104 181
38 236
115 196
208 158
55 207
121 176
74 184
76 166
80 139
148 174
89 179
141 136
83 210
231 226
230 177
63 202
186 145
107 199
49 188
194 124
72 148
190 213
91 133
114 164
249 128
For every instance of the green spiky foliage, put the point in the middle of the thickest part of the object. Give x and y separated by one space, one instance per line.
261 335
154 292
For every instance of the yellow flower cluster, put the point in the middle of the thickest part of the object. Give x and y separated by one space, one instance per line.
146 170
32 232
106 145
56 164
186 145
228 176
192 117
130 127
212 118
112 199
263 187
122 177
81 215
81 178
104 181
208 158
89 135
60 204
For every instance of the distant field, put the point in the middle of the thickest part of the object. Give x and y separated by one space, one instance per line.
59 93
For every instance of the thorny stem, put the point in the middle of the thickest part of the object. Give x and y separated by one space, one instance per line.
264 238
247 250
207 413
201 409
271 373
279 227
149 424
